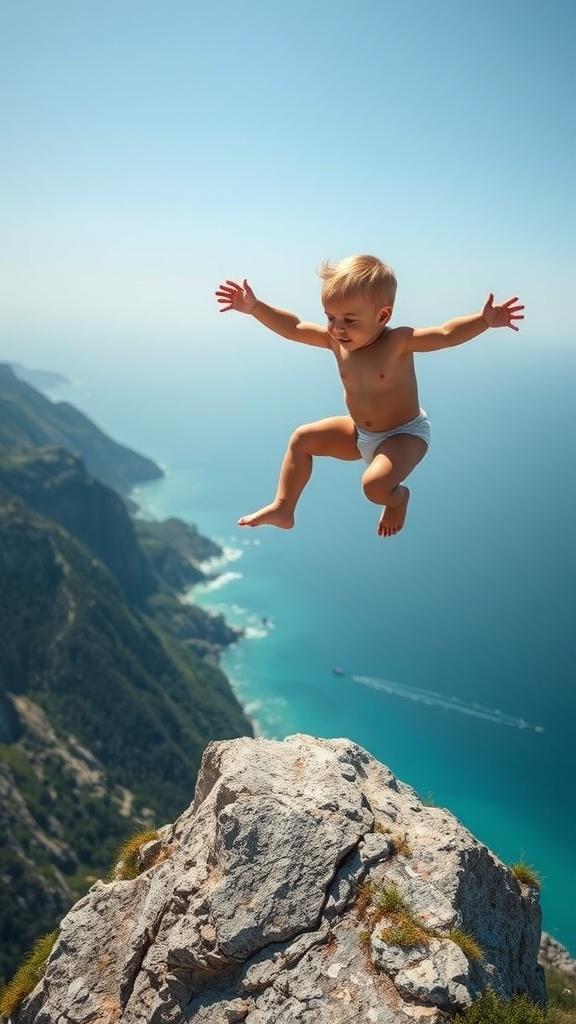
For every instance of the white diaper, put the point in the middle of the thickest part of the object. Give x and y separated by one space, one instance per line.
368 440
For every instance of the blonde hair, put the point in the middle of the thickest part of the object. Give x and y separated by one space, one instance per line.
365 274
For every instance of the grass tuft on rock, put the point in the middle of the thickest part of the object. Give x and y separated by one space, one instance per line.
401 845
490 1009
406 933
28 975
526 874
468 944
388 900
125 866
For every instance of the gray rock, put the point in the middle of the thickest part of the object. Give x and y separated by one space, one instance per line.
248 912
553 954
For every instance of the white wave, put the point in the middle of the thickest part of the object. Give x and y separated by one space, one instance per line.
267 715
219 582
228 555
432 699
255 633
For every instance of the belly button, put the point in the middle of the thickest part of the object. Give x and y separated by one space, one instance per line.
368 423
382 376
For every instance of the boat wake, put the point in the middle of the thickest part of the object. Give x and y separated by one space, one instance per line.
439 700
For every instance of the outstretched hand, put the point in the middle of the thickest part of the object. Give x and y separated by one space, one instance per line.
502 316
235 296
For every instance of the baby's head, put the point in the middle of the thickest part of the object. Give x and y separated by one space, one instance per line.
358 296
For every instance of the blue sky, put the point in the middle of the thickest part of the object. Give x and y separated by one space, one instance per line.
151 149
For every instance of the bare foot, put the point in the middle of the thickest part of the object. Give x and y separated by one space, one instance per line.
392 518
271 515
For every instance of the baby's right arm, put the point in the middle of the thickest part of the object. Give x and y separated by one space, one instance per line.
241 298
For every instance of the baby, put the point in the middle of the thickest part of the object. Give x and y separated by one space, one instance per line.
386 426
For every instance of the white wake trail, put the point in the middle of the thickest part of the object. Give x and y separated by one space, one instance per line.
439 700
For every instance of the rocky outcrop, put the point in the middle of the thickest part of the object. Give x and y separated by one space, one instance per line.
556 956
267 902
176 551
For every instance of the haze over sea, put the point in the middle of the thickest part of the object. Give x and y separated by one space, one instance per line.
460 631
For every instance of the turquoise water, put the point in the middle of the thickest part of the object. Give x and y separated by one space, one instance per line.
461 628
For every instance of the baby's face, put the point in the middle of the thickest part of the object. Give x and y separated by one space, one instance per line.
355 322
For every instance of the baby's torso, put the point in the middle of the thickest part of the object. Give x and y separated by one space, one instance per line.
379 381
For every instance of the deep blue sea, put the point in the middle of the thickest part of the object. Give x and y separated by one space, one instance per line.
458 637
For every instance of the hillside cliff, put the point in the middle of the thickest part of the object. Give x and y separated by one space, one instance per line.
105 703
287 892
54 483
31 420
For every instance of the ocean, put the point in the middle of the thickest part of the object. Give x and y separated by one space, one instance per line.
455 641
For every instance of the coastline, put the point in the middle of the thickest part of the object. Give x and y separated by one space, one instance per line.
217 577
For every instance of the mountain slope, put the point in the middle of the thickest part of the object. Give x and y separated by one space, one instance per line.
30 420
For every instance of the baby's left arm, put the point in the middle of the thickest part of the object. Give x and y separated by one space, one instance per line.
464 328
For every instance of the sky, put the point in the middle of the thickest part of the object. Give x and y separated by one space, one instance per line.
151 150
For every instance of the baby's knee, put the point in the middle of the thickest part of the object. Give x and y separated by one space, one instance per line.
376 488
300 440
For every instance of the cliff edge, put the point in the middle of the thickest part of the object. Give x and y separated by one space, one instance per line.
304 883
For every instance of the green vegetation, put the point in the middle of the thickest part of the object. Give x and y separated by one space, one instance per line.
388 900
490 1009
526 874
174 550
30 420
468 944
376 902
55 484
90 642
406 933
562 991
28 974
125 865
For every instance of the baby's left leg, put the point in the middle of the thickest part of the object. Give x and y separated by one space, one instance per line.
382 482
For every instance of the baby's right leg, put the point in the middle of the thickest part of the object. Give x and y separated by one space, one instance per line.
335 436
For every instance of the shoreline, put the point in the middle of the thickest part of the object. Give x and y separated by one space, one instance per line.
215 580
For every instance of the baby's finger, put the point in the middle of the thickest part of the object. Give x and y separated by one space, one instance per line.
509 301
234 285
